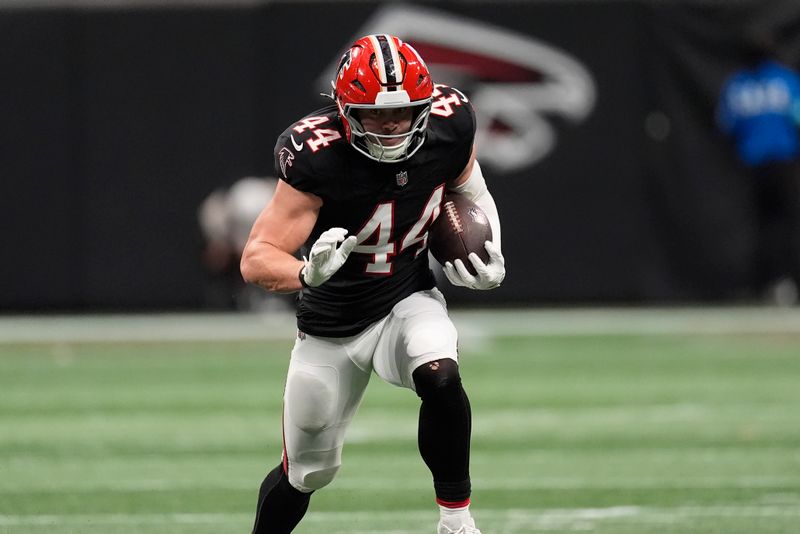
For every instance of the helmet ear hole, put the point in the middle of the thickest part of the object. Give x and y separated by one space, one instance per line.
359 86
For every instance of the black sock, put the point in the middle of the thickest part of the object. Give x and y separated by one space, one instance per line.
445 425
280 505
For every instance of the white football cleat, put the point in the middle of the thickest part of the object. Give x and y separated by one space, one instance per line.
463 529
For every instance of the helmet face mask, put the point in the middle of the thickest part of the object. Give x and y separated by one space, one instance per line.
388 146
381 72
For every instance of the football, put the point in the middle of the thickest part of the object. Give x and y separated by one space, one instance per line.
461 228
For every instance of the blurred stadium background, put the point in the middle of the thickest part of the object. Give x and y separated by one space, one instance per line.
639 370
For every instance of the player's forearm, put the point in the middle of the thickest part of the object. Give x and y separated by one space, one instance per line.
474 188
486 202
269 267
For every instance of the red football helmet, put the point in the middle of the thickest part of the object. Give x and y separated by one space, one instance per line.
381 71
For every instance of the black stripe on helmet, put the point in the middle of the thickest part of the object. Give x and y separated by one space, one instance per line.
392 70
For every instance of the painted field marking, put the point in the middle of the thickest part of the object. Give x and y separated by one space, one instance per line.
540 516
174 327
349 482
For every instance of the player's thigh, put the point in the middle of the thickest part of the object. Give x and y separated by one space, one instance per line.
323 391
323 386
418 331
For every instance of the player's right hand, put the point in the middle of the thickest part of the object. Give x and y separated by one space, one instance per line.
326 256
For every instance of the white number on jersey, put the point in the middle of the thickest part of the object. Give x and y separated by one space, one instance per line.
379 223
379 228
419 232
443 106
324 138
309 123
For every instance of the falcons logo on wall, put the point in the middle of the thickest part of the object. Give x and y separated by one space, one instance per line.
513 80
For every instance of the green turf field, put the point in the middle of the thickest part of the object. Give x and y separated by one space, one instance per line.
603 429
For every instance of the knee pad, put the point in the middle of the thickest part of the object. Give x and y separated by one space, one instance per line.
314 470
315 480
437 378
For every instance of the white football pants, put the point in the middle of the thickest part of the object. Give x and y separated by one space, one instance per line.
327 378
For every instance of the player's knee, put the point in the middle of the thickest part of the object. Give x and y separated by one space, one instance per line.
320 478
439 378
316 469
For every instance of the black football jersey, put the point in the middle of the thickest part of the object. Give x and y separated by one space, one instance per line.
389 206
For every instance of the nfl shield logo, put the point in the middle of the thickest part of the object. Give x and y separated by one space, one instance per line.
402 178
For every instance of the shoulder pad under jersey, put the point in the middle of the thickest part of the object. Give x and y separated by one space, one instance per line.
452 112
305 154
452 123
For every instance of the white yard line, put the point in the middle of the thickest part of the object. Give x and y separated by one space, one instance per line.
158 327
363 483
540 517
121 519
631 321
281 326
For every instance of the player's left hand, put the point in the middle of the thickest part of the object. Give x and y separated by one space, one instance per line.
490 275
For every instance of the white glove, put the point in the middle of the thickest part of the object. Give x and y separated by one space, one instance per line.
490 275
325 258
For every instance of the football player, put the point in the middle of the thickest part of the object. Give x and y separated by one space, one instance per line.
361 183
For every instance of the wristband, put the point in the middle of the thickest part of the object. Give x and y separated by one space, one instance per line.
301 277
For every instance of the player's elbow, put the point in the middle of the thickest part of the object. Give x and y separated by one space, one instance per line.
256 267
248 266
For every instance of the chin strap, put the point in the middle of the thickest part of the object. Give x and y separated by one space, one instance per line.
475 189
390 153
